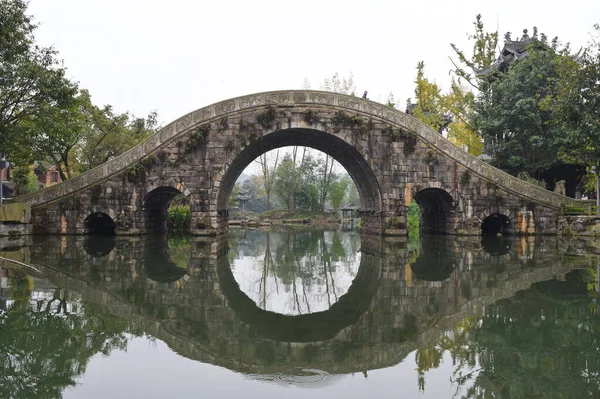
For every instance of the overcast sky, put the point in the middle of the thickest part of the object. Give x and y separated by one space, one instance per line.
176 56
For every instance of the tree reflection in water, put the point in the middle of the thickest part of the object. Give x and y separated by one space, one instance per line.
48 337
541 343
294 273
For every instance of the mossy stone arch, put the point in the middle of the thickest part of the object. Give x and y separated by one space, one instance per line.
155 207
348 155
436 206
99 223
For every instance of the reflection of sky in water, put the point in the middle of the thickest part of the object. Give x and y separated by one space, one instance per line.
157 372
301 284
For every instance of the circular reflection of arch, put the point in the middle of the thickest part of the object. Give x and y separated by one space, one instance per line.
313 327
436 206
155 206
495 224
158 266
435 262
99 223
347 155
99 246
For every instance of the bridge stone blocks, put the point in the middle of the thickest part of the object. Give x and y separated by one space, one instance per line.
391 157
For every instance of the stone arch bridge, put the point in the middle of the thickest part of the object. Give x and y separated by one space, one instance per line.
391 157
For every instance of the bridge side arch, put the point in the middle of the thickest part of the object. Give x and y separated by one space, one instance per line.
437 210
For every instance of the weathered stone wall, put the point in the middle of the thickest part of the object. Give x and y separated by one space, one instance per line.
579 225
391 156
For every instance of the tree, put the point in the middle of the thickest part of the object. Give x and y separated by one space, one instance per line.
267 168
459 103
108 134
577 105
326 180
56 132
286 181
451 111
429 107
337 85
517 125
513 104
483 56
24 180
338 192
32 81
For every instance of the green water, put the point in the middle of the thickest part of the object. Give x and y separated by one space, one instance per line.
296 314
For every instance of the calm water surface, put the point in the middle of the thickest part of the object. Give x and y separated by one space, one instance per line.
319 314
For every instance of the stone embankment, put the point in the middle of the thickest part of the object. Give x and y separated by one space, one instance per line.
579 225
15 220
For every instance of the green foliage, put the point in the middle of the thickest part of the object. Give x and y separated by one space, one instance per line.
429 109
483 55
414 219
24 180
520 344
46 342
247 130
32 82
309 184
338 192
233 200
43 115
178 219
198 138
513 116
136 173
576 107
106 134
340 120
459 103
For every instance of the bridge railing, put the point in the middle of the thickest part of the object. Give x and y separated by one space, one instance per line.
585 208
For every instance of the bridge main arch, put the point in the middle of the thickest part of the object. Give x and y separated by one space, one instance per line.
351 157
390 156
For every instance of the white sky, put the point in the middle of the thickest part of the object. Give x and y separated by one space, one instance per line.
176 56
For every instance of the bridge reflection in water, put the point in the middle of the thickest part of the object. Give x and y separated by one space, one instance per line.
185 293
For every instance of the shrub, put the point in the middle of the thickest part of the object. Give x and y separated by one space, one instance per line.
414 218
178 219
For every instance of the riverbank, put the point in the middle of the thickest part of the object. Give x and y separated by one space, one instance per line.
278 217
